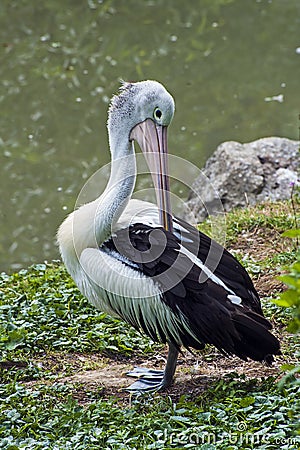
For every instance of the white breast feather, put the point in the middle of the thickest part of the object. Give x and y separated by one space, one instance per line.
105 278
104 273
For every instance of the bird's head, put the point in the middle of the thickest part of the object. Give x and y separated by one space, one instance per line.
142 112
137 102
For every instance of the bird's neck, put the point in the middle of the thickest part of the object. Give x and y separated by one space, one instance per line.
92 224
118 191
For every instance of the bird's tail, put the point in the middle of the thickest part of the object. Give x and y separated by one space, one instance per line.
254 338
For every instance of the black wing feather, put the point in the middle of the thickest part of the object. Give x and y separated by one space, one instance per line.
223 263
208 315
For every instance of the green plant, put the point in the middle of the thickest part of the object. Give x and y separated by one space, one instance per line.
291 297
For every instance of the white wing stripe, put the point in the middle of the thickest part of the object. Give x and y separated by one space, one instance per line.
231 295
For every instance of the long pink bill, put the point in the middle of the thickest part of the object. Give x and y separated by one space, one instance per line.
152 138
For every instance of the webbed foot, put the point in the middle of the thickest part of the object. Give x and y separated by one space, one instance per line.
149 380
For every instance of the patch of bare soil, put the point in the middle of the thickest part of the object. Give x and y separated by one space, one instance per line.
260 243
94 376
257 245
267 285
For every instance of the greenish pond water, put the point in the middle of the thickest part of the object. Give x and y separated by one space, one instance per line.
232 66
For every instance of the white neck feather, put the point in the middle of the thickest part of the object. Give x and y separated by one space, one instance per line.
91 224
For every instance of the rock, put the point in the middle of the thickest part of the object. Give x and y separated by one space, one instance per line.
238 175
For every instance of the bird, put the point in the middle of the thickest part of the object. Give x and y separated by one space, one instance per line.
138 262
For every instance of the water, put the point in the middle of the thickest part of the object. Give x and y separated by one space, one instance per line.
232 66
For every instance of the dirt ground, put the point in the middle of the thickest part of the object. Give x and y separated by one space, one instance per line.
94 376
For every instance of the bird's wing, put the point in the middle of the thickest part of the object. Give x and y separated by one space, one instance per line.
208 309
220 262
114 283
215 257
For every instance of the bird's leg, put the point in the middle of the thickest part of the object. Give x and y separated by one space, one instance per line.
154 380
170 366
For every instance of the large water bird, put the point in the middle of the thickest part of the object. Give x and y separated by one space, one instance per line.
136 261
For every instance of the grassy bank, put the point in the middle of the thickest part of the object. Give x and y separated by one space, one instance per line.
63 364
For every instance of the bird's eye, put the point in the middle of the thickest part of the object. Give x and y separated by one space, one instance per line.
157 113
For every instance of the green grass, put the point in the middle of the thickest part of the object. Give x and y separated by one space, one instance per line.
263 222
232 414
277 216
41 309
44 318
